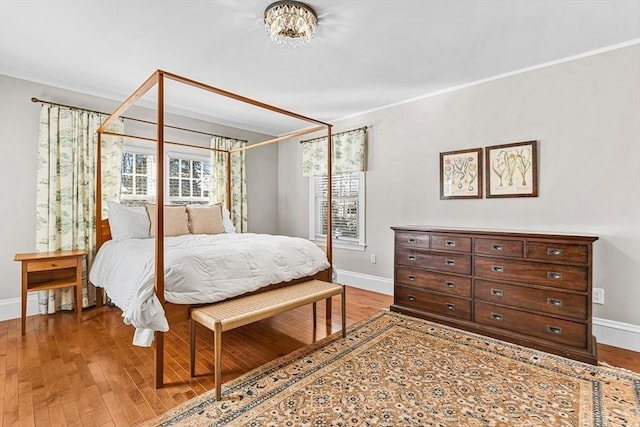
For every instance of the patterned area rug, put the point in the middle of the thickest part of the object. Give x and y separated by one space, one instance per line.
397 370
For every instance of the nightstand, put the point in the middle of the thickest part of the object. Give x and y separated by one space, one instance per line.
51 270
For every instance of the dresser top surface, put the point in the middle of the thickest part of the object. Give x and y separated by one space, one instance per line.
475 232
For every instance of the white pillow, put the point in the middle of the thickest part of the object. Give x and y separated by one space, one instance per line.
227 224
128 222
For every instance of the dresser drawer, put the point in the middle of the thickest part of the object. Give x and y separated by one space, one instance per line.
51 264
446 283
445 262
412 240
558 252
431 302
513 248
558 276
450 243
552 302
548 328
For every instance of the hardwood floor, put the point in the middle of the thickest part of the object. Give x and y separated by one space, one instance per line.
62 373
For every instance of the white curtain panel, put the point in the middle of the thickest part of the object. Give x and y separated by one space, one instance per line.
66 187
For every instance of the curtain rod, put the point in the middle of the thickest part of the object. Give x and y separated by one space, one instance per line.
334 134
73 107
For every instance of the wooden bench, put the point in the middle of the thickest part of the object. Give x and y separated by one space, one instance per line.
227 315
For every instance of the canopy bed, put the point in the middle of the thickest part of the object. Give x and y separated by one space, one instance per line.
178 308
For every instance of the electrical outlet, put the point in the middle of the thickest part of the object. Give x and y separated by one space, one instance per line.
598 296
373 259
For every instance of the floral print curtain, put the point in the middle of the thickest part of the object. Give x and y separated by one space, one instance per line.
66 184
238 179
349 154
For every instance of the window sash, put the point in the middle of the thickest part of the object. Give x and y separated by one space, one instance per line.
347 207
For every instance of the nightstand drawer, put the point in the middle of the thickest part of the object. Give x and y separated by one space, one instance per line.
51 264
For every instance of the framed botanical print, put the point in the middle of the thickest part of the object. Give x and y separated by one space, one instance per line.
512 170
461 174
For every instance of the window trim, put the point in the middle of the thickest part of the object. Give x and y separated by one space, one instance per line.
350 244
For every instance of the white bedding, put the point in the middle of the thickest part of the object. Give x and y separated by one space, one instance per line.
198 269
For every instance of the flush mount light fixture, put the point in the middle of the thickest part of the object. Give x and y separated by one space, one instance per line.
290 23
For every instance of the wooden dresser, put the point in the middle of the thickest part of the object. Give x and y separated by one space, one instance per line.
527 288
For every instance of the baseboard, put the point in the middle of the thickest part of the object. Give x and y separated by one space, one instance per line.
609 332
10 308
367 282
617 334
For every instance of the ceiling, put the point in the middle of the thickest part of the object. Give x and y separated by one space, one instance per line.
367 54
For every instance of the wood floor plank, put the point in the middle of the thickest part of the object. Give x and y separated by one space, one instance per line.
89 374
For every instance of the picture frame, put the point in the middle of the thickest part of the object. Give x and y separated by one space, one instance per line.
512 170
461 174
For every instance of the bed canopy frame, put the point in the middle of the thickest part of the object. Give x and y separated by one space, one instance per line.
158 80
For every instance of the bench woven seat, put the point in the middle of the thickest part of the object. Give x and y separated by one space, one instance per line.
227 315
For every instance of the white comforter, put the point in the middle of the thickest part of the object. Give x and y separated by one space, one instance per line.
198 269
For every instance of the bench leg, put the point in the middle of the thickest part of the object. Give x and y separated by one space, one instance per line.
328 314
217 339
192 346
315 319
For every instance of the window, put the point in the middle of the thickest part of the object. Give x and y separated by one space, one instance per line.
188 177
138 177
348 209
189 180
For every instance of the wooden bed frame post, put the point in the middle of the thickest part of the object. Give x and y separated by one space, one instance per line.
228 198
159 239
98 213
329 243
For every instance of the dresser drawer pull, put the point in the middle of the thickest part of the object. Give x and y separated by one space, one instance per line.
554 251
555 302
450 284
554 275
450 262
412 277
497 247
496 316
554 330
411 297
411 257
412 240
450 243
497 269
497 292
450 306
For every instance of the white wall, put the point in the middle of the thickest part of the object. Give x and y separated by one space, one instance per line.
19 119
585 113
